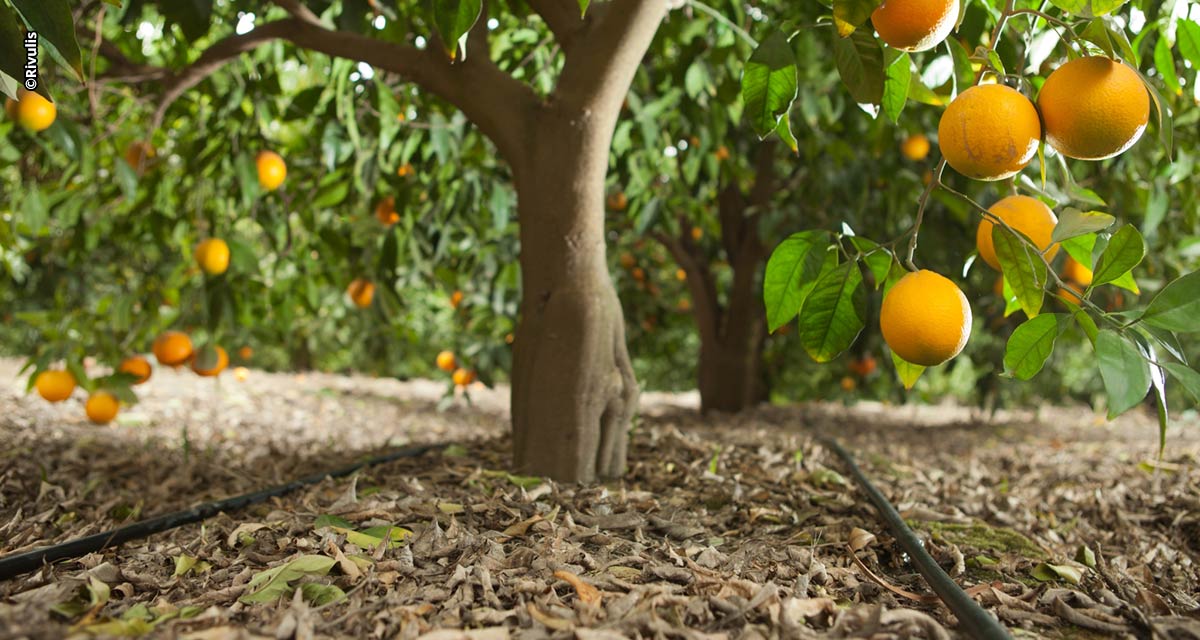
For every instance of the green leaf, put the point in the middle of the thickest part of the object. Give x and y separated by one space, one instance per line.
1126 375
895 86
185 564
1085 556
1088 8
324 520
318 594
1024 270
12 54
1187 378
192 16
849 15
1187 38
859 62
791 273
1073 223
878 260
583 7
1177 306
908 372
454 18
769 83
1097 34
1124 252
271 584
834 313
1164 63
1127 283
1031 344
51 19
964 74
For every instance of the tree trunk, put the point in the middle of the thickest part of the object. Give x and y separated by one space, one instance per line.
573 388
731 372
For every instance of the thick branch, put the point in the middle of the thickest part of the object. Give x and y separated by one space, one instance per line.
601 66
562 17
490 98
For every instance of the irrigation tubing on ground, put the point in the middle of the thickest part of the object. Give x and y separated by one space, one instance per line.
17 564
971 617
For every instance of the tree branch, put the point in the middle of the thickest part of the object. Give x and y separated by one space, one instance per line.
494 101
562 17
601 66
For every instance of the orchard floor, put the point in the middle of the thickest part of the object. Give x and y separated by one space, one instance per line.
724 526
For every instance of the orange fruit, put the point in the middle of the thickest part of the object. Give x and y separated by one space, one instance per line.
138 154
681 275
210 362
385 211
361 292
722 152
137 366
245 353
915 25
55 386
405 169
627 260
1094 108
617 201
915 147
1070 294
509 338
697 233
34 112
446 361
213 256
463 377
639 274
10 108
456 299
1076 273
848 384
172 348
684 305
272 170
241 373
101 407
863 366
989 132
925 318
1028 215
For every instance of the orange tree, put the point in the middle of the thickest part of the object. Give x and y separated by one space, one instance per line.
1063 71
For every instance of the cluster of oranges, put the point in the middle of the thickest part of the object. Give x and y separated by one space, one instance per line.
448 362
171 348
1090 108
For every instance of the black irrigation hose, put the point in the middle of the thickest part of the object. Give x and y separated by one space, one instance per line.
16 564
976 622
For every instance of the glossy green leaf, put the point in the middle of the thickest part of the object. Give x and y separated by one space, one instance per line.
1023 268
52 21
1088 8
834 313
769 83
895 86
1125 373
1187 378
1164 63
1187 39
908 372
12 54
859 61
1031 344
791 274
848 15
454 18
1124 252
964 73
1073 223
1177 306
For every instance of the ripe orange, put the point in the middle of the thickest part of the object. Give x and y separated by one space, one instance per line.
172 348
1077 273
34 112
639 274
684 305
361 292
915 25
456 299
101 407
271 170
697 233
55 386
681 275
405 170
1070 294
848 384
210 362
915 147
136 366
138 154
617 201
1094 108
463 377
989 132
925 318
245 353
863 366
446 361
509 338
1027 215
213 256
385 211
627 260
722 153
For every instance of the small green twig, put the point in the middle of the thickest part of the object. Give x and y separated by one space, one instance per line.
720 17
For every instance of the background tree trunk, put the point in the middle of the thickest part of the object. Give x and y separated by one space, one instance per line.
573 387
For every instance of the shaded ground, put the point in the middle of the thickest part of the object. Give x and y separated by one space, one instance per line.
725 527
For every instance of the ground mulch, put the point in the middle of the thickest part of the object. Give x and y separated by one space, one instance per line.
744 526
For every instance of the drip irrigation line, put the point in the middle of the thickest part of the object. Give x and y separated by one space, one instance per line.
976 622
17 564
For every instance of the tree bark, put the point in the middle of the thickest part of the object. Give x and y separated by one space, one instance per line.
573 387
